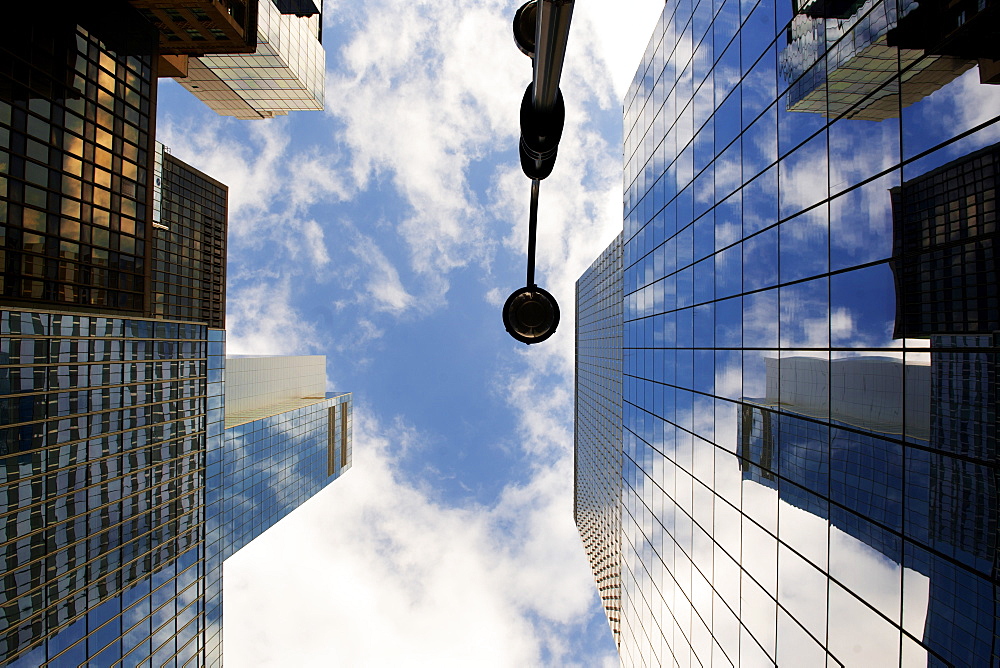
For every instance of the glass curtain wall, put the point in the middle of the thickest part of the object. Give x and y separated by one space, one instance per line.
809 359
598 437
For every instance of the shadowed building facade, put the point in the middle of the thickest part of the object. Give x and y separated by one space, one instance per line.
808 456
944 248
189 242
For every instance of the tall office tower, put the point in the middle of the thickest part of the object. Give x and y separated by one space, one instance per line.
97 219
287 72
285 439
105 409
112 360
126 484
597 451
809 386
944 242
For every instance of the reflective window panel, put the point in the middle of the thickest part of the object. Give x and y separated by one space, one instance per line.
809 331
103 440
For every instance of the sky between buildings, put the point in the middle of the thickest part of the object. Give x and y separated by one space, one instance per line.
385 233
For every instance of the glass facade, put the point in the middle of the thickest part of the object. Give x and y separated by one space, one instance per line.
114 479
75 136
122 491
189 243
598 437
264 468
103 442
274 464
75 195
808 393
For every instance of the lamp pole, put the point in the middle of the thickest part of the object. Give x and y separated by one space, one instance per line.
541 31
551 35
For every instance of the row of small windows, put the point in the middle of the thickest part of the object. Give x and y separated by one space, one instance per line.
52 352
27 323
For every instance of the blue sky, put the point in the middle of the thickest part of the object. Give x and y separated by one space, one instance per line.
385 233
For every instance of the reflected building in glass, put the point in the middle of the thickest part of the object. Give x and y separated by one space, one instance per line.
103 454
809 324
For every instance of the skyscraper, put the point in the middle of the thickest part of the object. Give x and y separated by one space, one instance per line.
104 446
808 455
119 483
77 110
598 437
124 490
285 439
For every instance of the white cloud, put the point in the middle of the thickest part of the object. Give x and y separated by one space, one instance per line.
495 298
317 178
383 288
422 94
260 320
250 164
962 105
272 185
841 323
311 236
408 580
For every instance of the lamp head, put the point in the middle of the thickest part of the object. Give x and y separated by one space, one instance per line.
524 28
530 314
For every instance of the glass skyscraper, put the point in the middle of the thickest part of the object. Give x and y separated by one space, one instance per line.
126 482
807 445
285 439
76 133
598 437
121 490
103 445
189 242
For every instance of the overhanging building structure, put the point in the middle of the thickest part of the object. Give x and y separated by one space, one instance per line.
250 59
286 72
121 490
800 451
866 60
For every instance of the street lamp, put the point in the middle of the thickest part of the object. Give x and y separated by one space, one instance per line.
541 30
